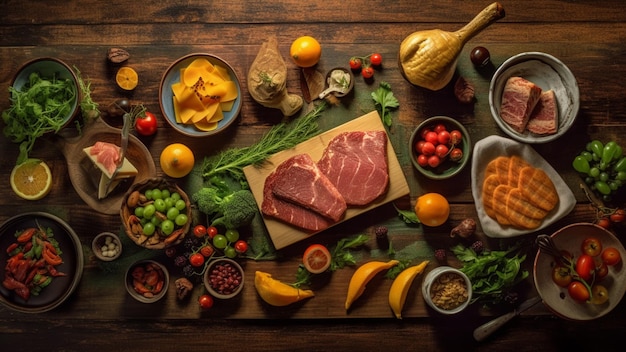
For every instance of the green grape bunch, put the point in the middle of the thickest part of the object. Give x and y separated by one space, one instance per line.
603 167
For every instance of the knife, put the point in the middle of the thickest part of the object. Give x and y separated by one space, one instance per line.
120 161
485 330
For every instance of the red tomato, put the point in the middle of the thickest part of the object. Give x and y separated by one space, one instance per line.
424 132
434 161
440 127
604 222
355 63
456 137
419 145
444 137
146 125
611 256
585 267
599 294
561 276
196 259
428 149
316 258
367 72
205 301
199 231
206 251
456 154
432 137
241 246
591 246
618 216
578 291
602 270
211 231
376 59
441 151
422 160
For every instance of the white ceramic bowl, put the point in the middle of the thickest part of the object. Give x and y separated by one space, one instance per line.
431 283
214 291
134 288
106 246
172 75
556 298
47 68
547 72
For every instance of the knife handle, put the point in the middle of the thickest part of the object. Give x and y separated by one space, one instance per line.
485 330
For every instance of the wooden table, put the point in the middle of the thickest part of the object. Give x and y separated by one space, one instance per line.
586 35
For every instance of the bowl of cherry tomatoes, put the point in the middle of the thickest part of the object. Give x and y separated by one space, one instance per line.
591 278
440 147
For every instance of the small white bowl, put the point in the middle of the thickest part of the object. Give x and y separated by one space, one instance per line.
547 72
106 246
431 283
133 288
214 291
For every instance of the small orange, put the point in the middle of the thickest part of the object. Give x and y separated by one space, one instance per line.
316 259
176 160
31 180
127 78
432 209
305 51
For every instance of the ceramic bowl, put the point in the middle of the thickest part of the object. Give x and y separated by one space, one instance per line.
447 168
147 281
232 269
557 299
106 246
547 72
49 68
440 278
173 75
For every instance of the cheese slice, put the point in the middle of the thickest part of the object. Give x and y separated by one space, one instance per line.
127 170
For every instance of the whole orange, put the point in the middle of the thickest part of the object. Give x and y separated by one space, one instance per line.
177 160
305 51
432 209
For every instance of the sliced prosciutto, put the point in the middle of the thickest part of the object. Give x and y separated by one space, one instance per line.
544 119
300 181
518 101
106 154
289 212
356 163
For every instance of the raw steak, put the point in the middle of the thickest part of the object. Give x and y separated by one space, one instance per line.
544 119
356 163
300 181
289 212
518 101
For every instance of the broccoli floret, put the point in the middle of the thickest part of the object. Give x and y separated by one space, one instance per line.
232 210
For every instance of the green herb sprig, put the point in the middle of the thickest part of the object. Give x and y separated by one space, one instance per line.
385 101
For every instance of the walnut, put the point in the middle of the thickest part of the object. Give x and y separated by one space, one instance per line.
464 90
183 288
117 55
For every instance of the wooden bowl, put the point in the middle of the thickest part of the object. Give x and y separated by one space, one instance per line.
157 240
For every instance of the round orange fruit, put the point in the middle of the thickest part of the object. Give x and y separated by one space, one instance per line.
31 180
127 78
432 209
305 51
316 259
177 160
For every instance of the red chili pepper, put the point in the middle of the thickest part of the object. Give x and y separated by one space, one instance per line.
26 235
50 257
11 248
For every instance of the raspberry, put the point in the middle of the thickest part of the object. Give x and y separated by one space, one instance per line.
381 232
477 246
440 255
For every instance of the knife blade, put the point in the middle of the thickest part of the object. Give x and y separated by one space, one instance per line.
485 330
124 145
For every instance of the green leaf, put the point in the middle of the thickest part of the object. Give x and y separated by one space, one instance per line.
385 100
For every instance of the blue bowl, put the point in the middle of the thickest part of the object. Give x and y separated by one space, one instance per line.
172 75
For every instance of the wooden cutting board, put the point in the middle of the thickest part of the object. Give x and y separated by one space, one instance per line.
283 234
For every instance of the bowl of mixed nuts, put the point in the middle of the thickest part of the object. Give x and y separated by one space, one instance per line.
447 290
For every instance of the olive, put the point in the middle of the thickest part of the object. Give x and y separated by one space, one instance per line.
480 56
119 107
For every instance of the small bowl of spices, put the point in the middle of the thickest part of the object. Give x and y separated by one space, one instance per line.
224 278
447 290
106 246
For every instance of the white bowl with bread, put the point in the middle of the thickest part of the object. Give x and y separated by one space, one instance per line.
534 97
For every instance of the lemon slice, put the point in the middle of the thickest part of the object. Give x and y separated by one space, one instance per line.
31 180
127 78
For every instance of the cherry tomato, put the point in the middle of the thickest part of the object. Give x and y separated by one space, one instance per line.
444 137
602 270
419 145
561 276
599 294
440 127
199 231
585 267
146 125
434 161
196 259
578 291
355 63
432 137
456 137
456 154
618 216
241 246
428 149
441 151
422 160
205 301
611 256
206 251
211 231
376 59
424 132
591 246
367 72
604 222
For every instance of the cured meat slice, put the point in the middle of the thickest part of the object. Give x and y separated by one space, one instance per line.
300 181
106 154
356 163
518 101
544 119
289 212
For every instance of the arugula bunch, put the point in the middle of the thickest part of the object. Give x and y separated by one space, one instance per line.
385 101
492 273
